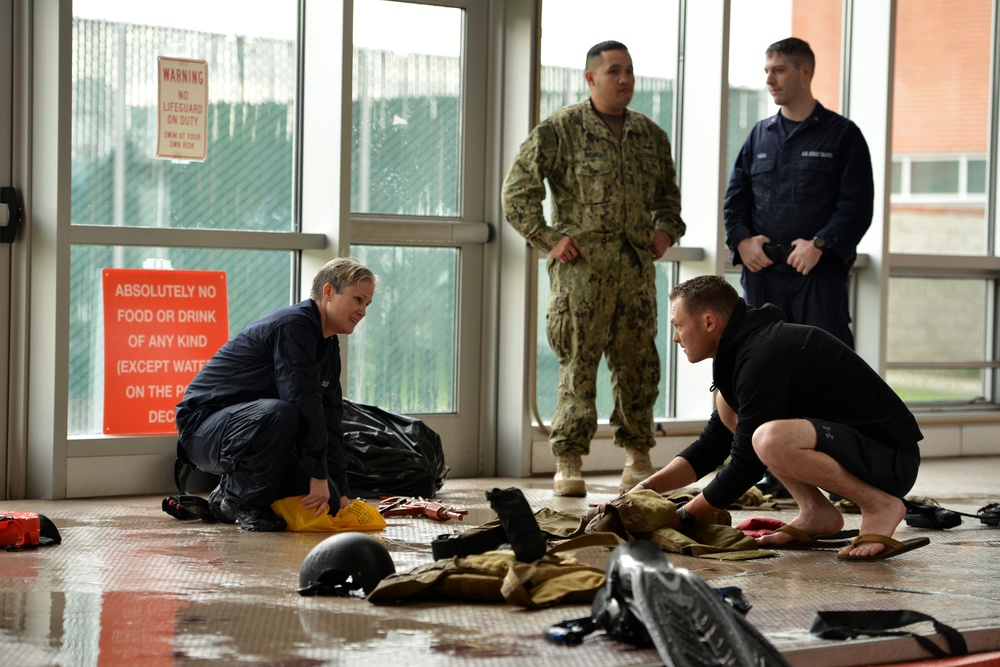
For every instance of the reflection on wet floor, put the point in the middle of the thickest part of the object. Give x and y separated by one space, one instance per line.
130 585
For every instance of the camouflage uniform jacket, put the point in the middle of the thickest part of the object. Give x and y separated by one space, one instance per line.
600 187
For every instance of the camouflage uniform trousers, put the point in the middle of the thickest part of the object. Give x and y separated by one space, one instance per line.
603 303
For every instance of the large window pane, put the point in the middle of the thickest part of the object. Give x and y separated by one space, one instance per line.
975 180
938 385
569 29
940 117
245 181
923 316
403 356
934 177
406 118
923 313
258 282
568 32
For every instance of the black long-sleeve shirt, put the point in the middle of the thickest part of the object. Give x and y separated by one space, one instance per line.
768 369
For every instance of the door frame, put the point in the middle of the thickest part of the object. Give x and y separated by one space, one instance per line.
6 250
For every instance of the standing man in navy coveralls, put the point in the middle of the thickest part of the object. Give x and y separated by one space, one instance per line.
799 199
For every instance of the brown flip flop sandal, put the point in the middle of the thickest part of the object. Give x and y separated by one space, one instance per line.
802 541
892 547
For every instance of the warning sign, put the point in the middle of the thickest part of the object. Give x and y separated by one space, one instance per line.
160 328
182 109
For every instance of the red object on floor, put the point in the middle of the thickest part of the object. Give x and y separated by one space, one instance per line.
991 659
19 529
760 526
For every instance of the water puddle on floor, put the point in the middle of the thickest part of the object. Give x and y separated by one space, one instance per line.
143 627
75 628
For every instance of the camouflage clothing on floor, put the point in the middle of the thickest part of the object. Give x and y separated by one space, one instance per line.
609 197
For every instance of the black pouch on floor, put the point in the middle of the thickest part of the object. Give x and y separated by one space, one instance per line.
885 623
924 515
929 516
518 521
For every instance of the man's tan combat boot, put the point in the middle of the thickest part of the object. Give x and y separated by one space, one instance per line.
637 468
568 481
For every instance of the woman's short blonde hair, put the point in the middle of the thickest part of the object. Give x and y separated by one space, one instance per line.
341 272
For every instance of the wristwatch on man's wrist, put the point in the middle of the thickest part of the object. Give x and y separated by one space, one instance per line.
821 243
685 519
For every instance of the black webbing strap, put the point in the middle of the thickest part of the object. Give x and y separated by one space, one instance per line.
885 623
181 473
468 543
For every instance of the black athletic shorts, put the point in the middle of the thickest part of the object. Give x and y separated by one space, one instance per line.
886 467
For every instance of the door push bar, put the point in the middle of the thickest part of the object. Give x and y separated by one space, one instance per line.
10 214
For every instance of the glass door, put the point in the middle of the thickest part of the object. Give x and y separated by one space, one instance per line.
418 138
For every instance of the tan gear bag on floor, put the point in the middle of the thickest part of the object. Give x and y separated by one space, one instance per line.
497 576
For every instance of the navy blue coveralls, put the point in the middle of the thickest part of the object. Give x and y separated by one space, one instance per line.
815 179
265 411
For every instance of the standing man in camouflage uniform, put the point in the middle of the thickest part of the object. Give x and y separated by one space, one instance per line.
615 209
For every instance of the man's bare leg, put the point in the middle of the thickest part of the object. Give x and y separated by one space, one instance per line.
788 448
817 516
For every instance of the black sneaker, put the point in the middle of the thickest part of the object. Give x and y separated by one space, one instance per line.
253 519
215 502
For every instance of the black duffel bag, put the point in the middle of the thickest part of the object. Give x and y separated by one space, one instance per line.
390 454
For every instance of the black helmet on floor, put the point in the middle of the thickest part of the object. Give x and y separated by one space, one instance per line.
344 563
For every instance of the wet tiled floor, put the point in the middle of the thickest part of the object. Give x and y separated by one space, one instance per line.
130 585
